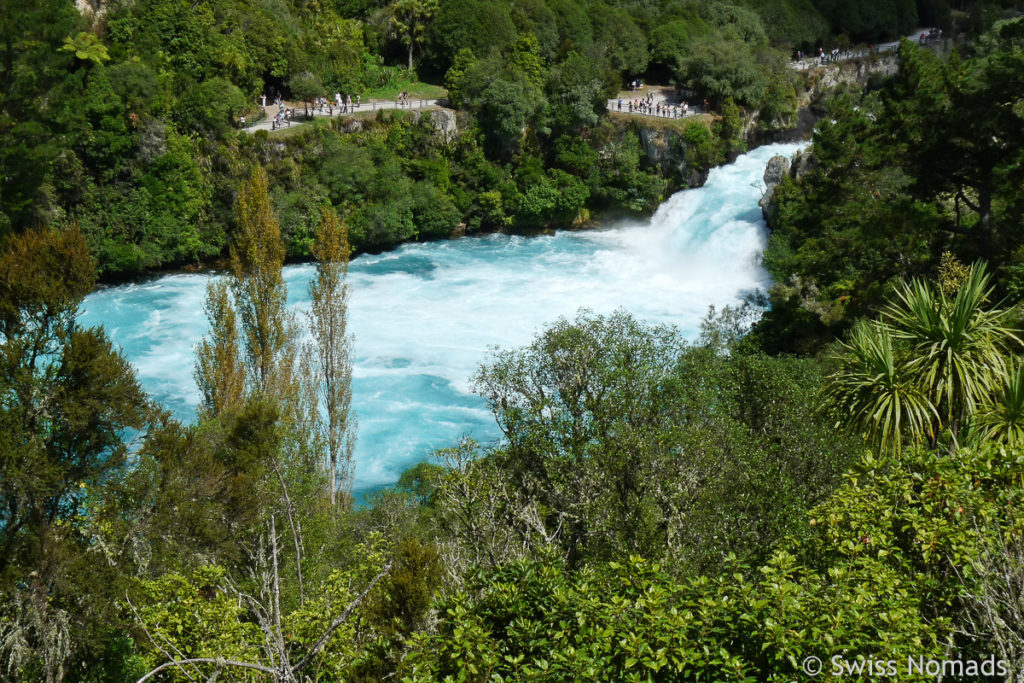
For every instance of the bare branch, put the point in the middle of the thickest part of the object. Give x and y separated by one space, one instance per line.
296 531
208 660
973 207
278 633
339 621
138 617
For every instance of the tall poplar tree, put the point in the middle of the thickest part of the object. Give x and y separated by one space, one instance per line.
257 256
331 350
252 357
219 371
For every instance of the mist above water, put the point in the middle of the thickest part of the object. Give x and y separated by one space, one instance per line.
424 316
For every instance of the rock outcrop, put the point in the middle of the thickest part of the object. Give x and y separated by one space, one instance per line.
855 72
778 167
666 147
445 123
351 125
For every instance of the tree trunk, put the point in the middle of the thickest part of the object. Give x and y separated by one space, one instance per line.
985 218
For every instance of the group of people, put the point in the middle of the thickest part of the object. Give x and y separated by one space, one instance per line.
648 107
824 58
282 117
830 57
344 103
402 98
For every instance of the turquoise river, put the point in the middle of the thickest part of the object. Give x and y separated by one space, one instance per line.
424 316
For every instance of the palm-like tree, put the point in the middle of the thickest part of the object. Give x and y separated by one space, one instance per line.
954 363
1002 420
957 347
873 392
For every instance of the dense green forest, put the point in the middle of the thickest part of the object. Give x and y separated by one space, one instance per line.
122 118
927 162
838 478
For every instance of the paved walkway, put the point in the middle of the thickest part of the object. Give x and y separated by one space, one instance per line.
267 122
813 61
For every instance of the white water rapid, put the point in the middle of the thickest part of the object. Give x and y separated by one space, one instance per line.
424 315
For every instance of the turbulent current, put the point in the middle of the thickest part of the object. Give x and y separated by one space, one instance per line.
424 316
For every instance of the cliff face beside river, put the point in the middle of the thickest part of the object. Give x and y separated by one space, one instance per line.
681 159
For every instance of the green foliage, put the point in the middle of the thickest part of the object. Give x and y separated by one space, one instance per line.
507 108
1002 418
957 345
655 510
628 442
456 78
421 481
195 615
893 549
631 621
731 128
68 403
729 69
211 107
475 25
87 47
950 362
875 392
702 151
871 21
131 131
409 19
306 86
898 176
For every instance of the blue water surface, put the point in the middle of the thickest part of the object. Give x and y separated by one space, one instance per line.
425 316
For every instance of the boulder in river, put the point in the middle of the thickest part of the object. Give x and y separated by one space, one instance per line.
774 172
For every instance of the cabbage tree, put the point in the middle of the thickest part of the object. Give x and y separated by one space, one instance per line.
875 389
1003 419
931 363
957 346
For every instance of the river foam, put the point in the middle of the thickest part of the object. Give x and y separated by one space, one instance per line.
425 315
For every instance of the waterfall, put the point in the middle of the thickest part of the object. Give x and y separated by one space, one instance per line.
425 315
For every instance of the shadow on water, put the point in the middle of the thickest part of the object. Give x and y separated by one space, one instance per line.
752 216
409 264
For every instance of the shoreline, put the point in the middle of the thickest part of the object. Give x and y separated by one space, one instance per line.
596 221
